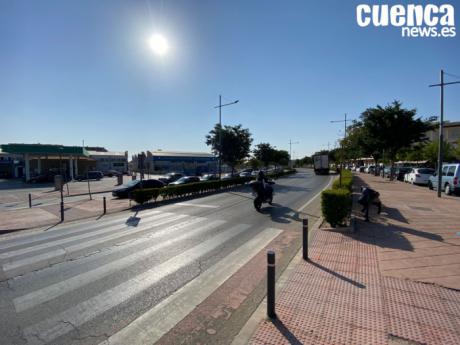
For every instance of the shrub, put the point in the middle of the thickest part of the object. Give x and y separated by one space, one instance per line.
335 205
143 195
347 181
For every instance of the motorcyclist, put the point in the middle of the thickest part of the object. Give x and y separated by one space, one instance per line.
267 189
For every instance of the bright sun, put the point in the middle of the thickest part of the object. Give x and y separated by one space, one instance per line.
159 44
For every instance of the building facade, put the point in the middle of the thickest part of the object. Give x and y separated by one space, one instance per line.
451 133
109 160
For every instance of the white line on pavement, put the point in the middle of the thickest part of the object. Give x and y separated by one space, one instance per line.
170 311
196 205
64 322
311 200
55 290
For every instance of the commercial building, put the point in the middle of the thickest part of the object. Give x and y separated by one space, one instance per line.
189 163
29 160
451 133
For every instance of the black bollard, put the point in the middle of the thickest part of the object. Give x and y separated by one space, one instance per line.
105 205
62 211
271 284
305 238
30 200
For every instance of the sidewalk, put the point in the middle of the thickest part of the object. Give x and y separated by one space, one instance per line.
393 282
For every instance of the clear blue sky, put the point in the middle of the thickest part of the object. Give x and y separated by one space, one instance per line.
73 70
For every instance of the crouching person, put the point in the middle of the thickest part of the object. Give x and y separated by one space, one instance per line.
369 197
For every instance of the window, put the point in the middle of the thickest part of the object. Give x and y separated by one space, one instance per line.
451 171
444 171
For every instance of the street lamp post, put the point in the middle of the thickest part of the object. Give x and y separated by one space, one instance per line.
220 130
344 137
290 151
441 128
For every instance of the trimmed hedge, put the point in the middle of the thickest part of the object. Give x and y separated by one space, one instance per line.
347 181
142 196
335 205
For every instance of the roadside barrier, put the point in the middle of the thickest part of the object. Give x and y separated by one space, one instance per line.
105 204
271 284
30 200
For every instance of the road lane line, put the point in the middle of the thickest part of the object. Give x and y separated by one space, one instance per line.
316 195
195 205
55 290
151 326
81 226
64 322
60 242
37 261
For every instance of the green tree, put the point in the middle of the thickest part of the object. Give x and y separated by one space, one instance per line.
281 157
265 153
234 146
430 152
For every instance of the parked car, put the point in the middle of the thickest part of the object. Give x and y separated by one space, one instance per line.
112 173
229 176
369 169
171 177
360 168
418 176
185 180
245 174
44 178
401 171
385 171
91 175
209 177
124 190
450 182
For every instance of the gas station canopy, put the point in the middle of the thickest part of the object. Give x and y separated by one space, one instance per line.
49 150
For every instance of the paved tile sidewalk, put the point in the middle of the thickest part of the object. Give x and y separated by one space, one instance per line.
349 294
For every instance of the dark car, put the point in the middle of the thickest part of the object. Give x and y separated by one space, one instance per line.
91 175
185 180
171 177
43 178
209 177
112 173
400 172
124 190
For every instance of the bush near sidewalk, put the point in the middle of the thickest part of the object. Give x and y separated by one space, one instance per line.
336 202
142 196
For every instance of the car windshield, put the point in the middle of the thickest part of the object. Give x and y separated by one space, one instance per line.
131 183
182 179
426 171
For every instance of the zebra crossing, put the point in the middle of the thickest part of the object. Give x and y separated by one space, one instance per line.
128 261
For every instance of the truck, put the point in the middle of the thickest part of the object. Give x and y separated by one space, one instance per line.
321 164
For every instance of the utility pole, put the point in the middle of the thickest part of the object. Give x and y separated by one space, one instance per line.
220 130
290 151
441 128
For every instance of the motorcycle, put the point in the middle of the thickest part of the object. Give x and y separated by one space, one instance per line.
262 195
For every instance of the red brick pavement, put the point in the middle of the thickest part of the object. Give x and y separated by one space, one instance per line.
349 294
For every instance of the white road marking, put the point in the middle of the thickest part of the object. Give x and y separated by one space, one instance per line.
59 242
64 322
319 193
170 311
72 228
195 205
35 262
55 290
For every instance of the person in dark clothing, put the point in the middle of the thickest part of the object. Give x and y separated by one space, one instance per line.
266 187
369 197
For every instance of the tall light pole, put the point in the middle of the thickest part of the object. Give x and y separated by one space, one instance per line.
290 151
441 127
344 137
220 130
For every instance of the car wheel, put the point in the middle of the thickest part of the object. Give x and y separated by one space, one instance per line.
447 189
430 186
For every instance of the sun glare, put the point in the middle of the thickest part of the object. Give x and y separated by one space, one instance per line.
159 44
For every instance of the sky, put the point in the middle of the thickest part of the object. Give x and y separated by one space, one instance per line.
83 70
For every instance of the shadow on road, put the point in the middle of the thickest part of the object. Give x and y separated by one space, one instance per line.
338 275
287 334
281 214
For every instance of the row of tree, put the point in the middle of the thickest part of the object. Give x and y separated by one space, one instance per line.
233 143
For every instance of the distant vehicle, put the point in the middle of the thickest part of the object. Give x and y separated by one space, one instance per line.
91 175
369 169
385 171
361 168
229 176
185 180
246 171
254 172
419 176
209 177
171 177
43 178
321 164
245 174
124 190
112 173
401 171
450 182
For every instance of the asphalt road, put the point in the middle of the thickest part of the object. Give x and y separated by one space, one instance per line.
108 281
